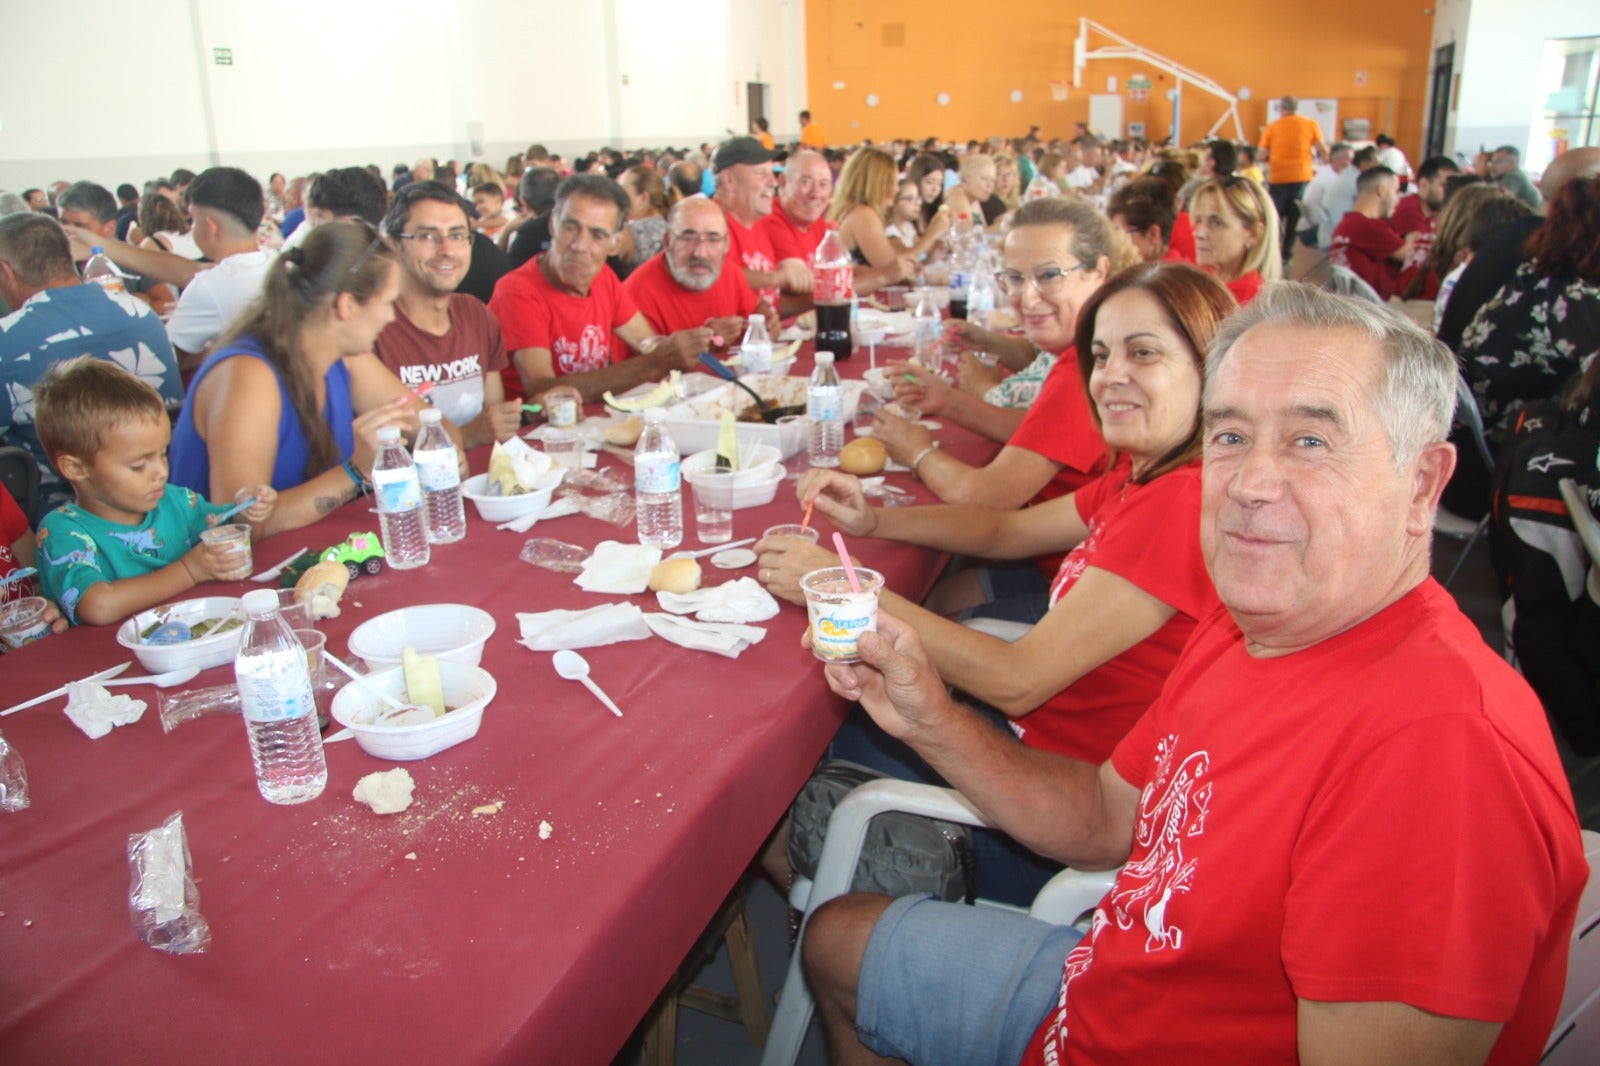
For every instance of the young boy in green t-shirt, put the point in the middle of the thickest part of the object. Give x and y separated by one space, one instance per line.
130 541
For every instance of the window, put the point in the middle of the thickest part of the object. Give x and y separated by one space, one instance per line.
1567 112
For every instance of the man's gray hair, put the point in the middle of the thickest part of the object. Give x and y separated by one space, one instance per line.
1416 397
86 196
596 187
12 204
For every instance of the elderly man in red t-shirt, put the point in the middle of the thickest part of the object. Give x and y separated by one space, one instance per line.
745 185
689 285
1270 904
796 225
1364 242
565 316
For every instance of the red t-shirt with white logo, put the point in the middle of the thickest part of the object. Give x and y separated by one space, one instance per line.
751 247
788 240
1364 245
578 331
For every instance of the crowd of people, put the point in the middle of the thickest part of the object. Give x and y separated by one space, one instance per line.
1190 608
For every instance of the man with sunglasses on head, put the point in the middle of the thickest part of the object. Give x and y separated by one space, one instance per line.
689 285
567 319
441 337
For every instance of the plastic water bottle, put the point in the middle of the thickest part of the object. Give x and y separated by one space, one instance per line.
960 269
440 473
833 289
825 409
394 482
926 330
280 710
755 351
658 496
982 293
100 270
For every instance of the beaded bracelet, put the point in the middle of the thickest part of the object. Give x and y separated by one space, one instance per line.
917 462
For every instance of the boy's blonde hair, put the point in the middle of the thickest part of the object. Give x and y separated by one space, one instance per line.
79 399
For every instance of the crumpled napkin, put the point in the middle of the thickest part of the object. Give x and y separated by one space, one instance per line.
610 623
555 509
95 710
616 567
742 600
721 638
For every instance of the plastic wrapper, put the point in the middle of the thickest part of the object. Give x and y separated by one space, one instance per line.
13 778
591 481
555 555
613 507
180 707
163 900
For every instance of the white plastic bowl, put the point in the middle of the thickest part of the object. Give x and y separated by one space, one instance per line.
754 494
505 508
467 691
210 650
759 459
454 632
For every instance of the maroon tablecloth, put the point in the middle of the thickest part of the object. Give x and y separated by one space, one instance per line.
437 934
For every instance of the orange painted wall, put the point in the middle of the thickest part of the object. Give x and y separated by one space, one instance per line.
979 53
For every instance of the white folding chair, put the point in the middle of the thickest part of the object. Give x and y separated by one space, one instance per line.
1577 1032
1467 411
1062 901
1345 282
1588 527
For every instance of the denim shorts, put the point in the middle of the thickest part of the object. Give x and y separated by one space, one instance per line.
1016 592
968 986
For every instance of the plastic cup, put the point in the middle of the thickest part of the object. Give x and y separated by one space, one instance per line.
23 621
793 529
235 537
794 433
713 506
866 410
321 687
298 615
564 447
838 613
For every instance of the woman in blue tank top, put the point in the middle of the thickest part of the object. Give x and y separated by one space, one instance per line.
292 395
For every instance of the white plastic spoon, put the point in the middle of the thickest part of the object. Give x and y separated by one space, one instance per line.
714 549
574 667
62 691
367 686
166 680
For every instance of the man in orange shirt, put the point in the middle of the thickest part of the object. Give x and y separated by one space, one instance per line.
1289 144
811 135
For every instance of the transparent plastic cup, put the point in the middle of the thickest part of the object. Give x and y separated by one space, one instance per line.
322 686
794 432
298 615
793 529
564 447
838 613
713 506
235 537
23 621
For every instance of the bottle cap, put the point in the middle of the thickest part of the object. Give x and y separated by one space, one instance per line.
430 416
824 358
655 414
260 601
757 318
97 250
388 434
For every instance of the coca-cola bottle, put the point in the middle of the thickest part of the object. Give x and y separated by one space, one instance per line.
833 289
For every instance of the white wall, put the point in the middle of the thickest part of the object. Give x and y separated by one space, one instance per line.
320 83
1498 45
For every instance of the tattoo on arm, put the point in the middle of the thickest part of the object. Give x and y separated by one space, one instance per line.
326 505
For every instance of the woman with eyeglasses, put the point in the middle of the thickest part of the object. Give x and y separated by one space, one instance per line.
1125 598
292 395
904 228
1236 235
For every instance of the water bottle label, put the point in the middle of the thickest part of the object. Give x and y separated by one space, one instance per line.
757 358
832 285
437 469
825 405
960 281
397 490
656 473
275 686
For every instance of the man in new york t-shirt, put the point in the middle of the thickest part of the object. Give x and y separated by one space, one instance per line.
1270 904
441 339
566 318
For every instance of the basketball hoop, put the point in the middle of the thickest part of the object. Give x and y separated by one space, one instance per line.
1059 90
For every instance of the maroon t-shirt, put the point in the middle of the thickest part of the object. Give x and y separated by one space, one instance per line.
1364 245
456 363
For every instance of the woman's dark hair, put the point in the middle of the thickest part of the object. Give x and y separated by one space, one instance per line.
1568 243
1146 202
158 214
1195 304
923 165
647 182
341 257
1467 220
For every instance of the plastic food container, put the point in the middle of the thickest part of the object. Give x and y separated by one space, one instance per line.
212 649
751 494
455 632
505 508
467 691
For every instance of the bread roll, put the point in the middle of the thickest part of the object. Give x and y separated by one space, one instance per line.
863 456
320 588
675 575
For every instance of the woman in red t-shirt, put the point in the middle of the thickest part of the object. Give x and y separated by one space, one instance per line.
1236 235
1134 582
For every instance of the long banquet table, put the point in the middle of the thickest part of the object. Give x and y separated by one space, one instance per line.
438 934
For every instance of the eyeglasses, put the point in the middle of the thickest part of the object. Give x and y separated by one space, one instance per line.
691 237
1047 281
433 238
